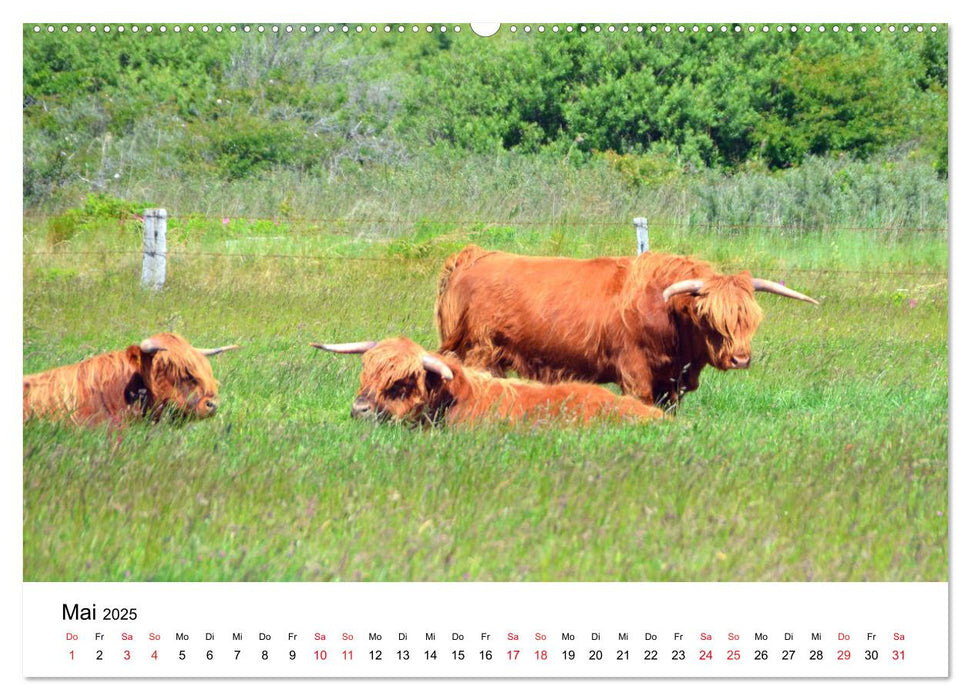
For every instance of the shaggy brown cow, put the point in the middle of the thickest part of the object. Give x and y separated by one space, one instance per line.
649 323
403 381
142 380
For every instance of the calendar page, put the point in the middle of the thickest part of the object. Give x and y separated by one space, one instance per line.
522 350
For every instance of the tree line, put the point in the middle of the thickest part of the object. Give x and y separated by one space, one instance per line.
232 105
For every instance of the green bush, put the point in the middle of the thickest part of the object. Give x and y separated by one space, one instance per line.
643 170
97 210
103 206
409 249
240 146
719 100
835 98
121 113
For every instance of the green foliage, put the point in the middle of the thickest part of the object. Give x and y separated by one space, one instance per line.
835 98
128 72
99 108
100 206
97 210
508 97
643 170
62 228
409 249
824 193
102 109
195 229
240 146
933 58
718 100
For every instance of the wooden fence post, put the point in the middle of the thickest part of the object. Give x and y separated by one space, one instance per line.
153 262
640 225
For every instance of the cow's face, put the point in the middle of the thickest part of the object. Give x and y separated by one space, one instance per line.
728 317
726 314
402 399
179 375
400 380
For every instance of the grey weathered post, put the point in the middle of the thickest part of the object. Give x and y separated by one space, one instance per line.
153 262
640 224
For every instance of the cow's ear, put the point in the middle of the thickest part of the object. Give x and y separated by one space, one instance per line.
134 356
435 365
141 355
438 375
434 382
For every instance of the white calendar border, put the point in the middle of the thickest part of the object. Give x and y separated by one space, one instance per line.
507 10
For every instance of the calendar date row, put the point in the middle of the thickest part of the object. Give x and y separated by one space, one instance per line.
458 655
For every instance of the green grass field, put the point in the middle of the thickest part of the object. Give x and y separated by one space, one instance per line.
825 461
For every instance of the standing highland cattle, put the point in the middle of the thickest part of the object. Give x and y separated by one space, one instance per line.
142 380
403 381
649 323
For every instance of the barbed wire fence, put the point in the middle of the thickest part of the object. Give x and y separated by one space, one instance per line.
332 225
155 252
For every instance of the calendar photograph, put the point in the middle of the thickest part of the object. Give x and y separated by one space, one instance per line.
443 303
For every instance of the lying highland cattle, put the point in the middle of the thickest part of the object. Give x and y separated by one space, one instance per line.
650 323
403 381
142 380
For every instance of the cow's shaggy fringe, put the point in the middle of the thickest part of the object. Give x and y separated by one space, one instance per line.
728 307
725 302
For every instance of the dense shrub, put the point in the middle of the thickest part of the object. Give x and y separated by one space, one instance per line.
95 212
719 100
110 111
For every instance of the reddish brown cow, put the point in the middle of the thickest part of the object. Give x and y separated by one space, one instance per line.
142 380
403 381
649 323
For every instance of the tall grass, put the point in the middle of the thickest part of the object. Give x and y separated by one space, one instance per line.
825 461
517 190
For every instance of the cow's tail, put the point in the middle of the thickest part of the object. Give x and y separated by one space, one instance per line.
468 255
447 311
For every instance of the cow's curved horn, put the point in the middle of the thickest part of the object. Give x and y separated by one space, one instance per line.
149 346
776 288
434 364
208 352
683 287
347 348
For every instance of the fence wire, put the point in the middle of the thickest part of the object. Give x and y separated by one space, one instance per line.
564 223
376 259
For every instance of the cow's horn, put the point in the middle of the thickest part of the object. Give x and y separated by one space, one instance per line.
208 352
683 287
434 364
776 288
347 348
149 346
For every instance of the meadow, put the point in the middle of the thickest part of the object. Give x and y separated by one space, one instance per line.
826 461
